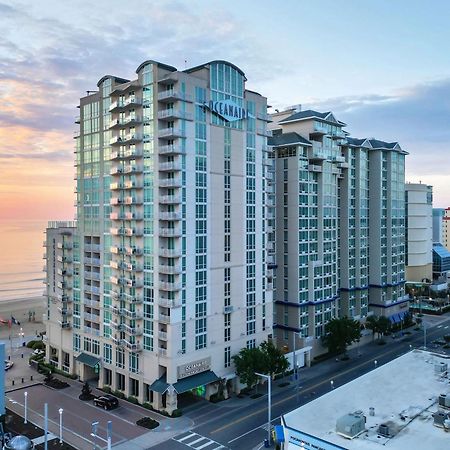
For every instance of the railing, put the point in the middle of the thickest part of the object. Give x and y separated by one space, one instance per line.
170 232
169 286
170 182
164 318
170 252
171 149
168 166
170 216
170 270
169 199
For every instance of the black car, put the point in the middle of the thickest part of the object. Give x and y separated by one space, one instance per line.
106 401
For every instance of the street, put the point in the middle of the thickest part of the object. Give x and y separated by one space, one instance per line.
242 423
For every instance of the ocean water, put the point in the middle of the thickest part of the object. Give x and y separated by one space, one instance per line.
21 262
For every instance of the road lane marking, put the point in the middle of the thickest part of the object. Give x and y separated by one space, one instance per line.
326 381
185 440
204 445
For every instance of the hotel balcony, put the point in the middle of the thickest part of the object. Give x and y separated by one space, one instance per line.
65 311
93 317
170 252
134 347
172 149
319 129
170 232
130 101
171 95
314 168
169 302
64 285
170 114
65 324
170 216
170 182
135 315
126 154
133 184
133 216
92 261
338 134
162 335
132 168
169 166
264 116
171 133
92 330
90 275
127 121
170 270
164 318
169 199
64 272
131 138
92 247
64 259
133 250
169 286
92 303
64 245
92 289
162 351
117 250
113 201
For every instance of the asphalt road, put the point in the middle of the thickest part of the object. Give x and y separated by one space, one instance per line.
242 423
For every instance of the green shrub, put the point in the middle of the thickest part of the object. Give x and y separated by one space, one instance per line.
106 389
215 398
38 345
133 400
147 405
177 413
119 394
147 422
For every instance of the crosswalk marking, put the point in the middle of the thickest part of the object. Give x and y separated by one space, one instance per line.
187 437
193 439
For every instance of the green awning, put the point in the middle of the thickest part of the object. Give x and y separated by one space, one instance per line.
160 385
185 384
89 360
199 379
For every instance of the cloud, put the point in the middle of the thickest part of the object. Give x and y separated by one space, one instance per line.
418 117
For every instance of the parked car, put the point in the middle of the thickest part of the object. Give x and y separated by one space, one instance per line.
106 401
8 364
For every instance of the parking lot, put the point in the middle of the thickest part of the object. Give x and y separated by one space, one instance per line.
78 416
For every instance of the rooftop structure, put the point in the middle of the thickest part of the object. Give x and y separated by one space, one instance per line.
399 410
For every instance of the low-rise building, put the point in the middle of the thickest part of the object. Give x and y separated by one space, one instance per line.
386 408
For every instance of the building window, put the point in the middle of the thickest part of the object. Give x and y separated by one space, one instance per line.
227 357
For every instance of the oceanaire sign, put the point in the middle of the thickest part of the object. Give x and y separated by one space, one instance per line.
228 110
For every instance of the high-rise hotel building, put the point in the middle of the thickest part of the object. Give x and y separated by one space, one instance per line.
340 226
173 252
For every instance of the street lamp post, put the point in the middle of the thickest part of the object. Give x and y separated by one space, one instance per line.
60 410
269 405
94 434
25 394
424 336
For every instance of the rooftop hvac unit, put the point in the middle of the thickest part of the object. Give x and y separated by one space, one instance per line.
444 401
440 418
383 430
351 425
440 367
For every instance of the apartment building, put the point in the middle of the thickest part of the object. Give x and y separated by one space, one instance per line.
446 228
336 256
419 232
438 215
174 246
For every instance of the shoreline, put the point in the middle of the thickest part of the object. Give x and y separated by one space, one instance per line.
20 309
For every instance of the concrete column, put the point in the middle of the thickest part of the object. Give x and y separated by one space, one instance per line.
157 401
171 400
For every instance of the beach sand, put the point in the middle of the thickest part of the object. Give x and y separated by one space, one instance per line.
20 309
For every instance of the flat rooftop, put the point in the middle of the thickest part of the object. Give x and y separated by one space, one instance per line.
403 393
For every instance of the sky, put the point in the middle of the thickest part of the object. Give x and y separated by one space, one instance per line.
381 66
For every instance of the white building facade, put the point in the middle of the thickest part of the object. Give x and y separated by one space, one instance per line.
419 232
174 249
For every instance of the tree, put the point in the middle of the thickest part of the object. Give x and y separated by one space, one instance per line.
247 362
372 324
275 359
384 325
340 333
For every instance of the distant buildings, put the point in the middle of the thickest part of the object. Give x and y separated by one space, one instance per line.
446 228
419 232
438 214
